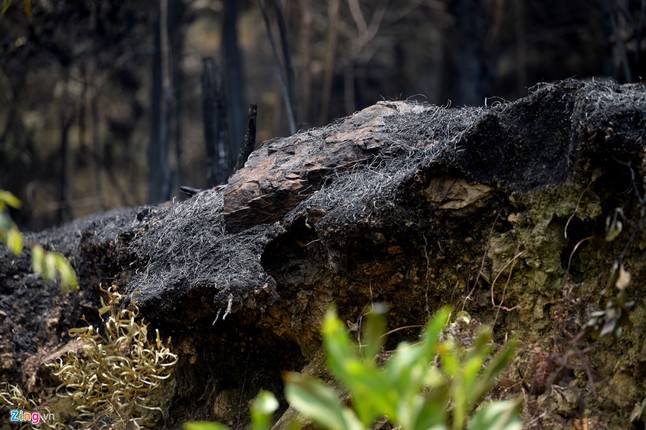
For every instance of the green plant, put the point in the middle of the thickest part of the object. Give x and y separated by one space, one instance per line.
9 233
49 265
118 378
7 3
262 408
616 314
407 390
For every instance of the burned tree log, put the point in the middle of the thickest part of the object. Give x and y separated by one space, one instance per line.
511 213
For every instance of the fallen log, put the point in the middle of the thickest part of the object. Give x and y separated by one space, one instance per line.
501 211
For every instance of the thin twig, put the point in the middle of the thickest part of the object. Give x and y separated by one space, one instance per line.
502 300
287 60
281 76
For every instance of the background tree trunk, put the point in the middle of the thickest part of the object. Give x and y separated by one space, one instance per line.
233 73
64 210
216 130
334 8
175 32
159 174
469 74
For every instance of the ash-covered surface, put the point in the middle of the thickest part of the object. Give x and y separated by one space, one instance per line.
372 171
193 269
201 262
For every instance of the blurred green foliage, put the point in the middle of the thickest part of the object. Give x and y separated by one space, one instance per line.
431 384
7 3
49 265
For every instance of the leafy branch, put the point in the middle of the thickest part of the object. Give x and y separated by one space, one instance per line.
49 265
408 390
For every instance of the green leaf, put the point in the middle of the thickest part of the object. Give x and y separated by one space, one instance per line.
372 395
408 411
409 363
497 365
406 370
317 401
5 6
6 223
14 241
204 425
337 343
49 265
7 198
262 410
373 331
433 330
425 412
470 370
449 358
499 415
69 282
37 259
49 268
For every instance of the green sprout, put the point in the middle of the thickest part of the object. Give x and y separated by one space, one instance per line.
408 390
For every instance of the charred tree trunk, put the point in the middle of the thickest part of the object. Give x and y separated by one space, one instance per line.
159 176
469 73
625 24
249 138
96 150
334 8
176 12
287 64
216 130
233 77
64 210
307 46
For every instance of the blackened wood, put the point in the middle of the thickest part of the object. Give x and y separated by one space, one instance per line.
189 191
233 76
216 130
249 142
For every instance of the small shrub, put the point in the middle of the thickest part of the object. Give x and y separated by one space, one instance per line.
408 391
14 399
118 379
